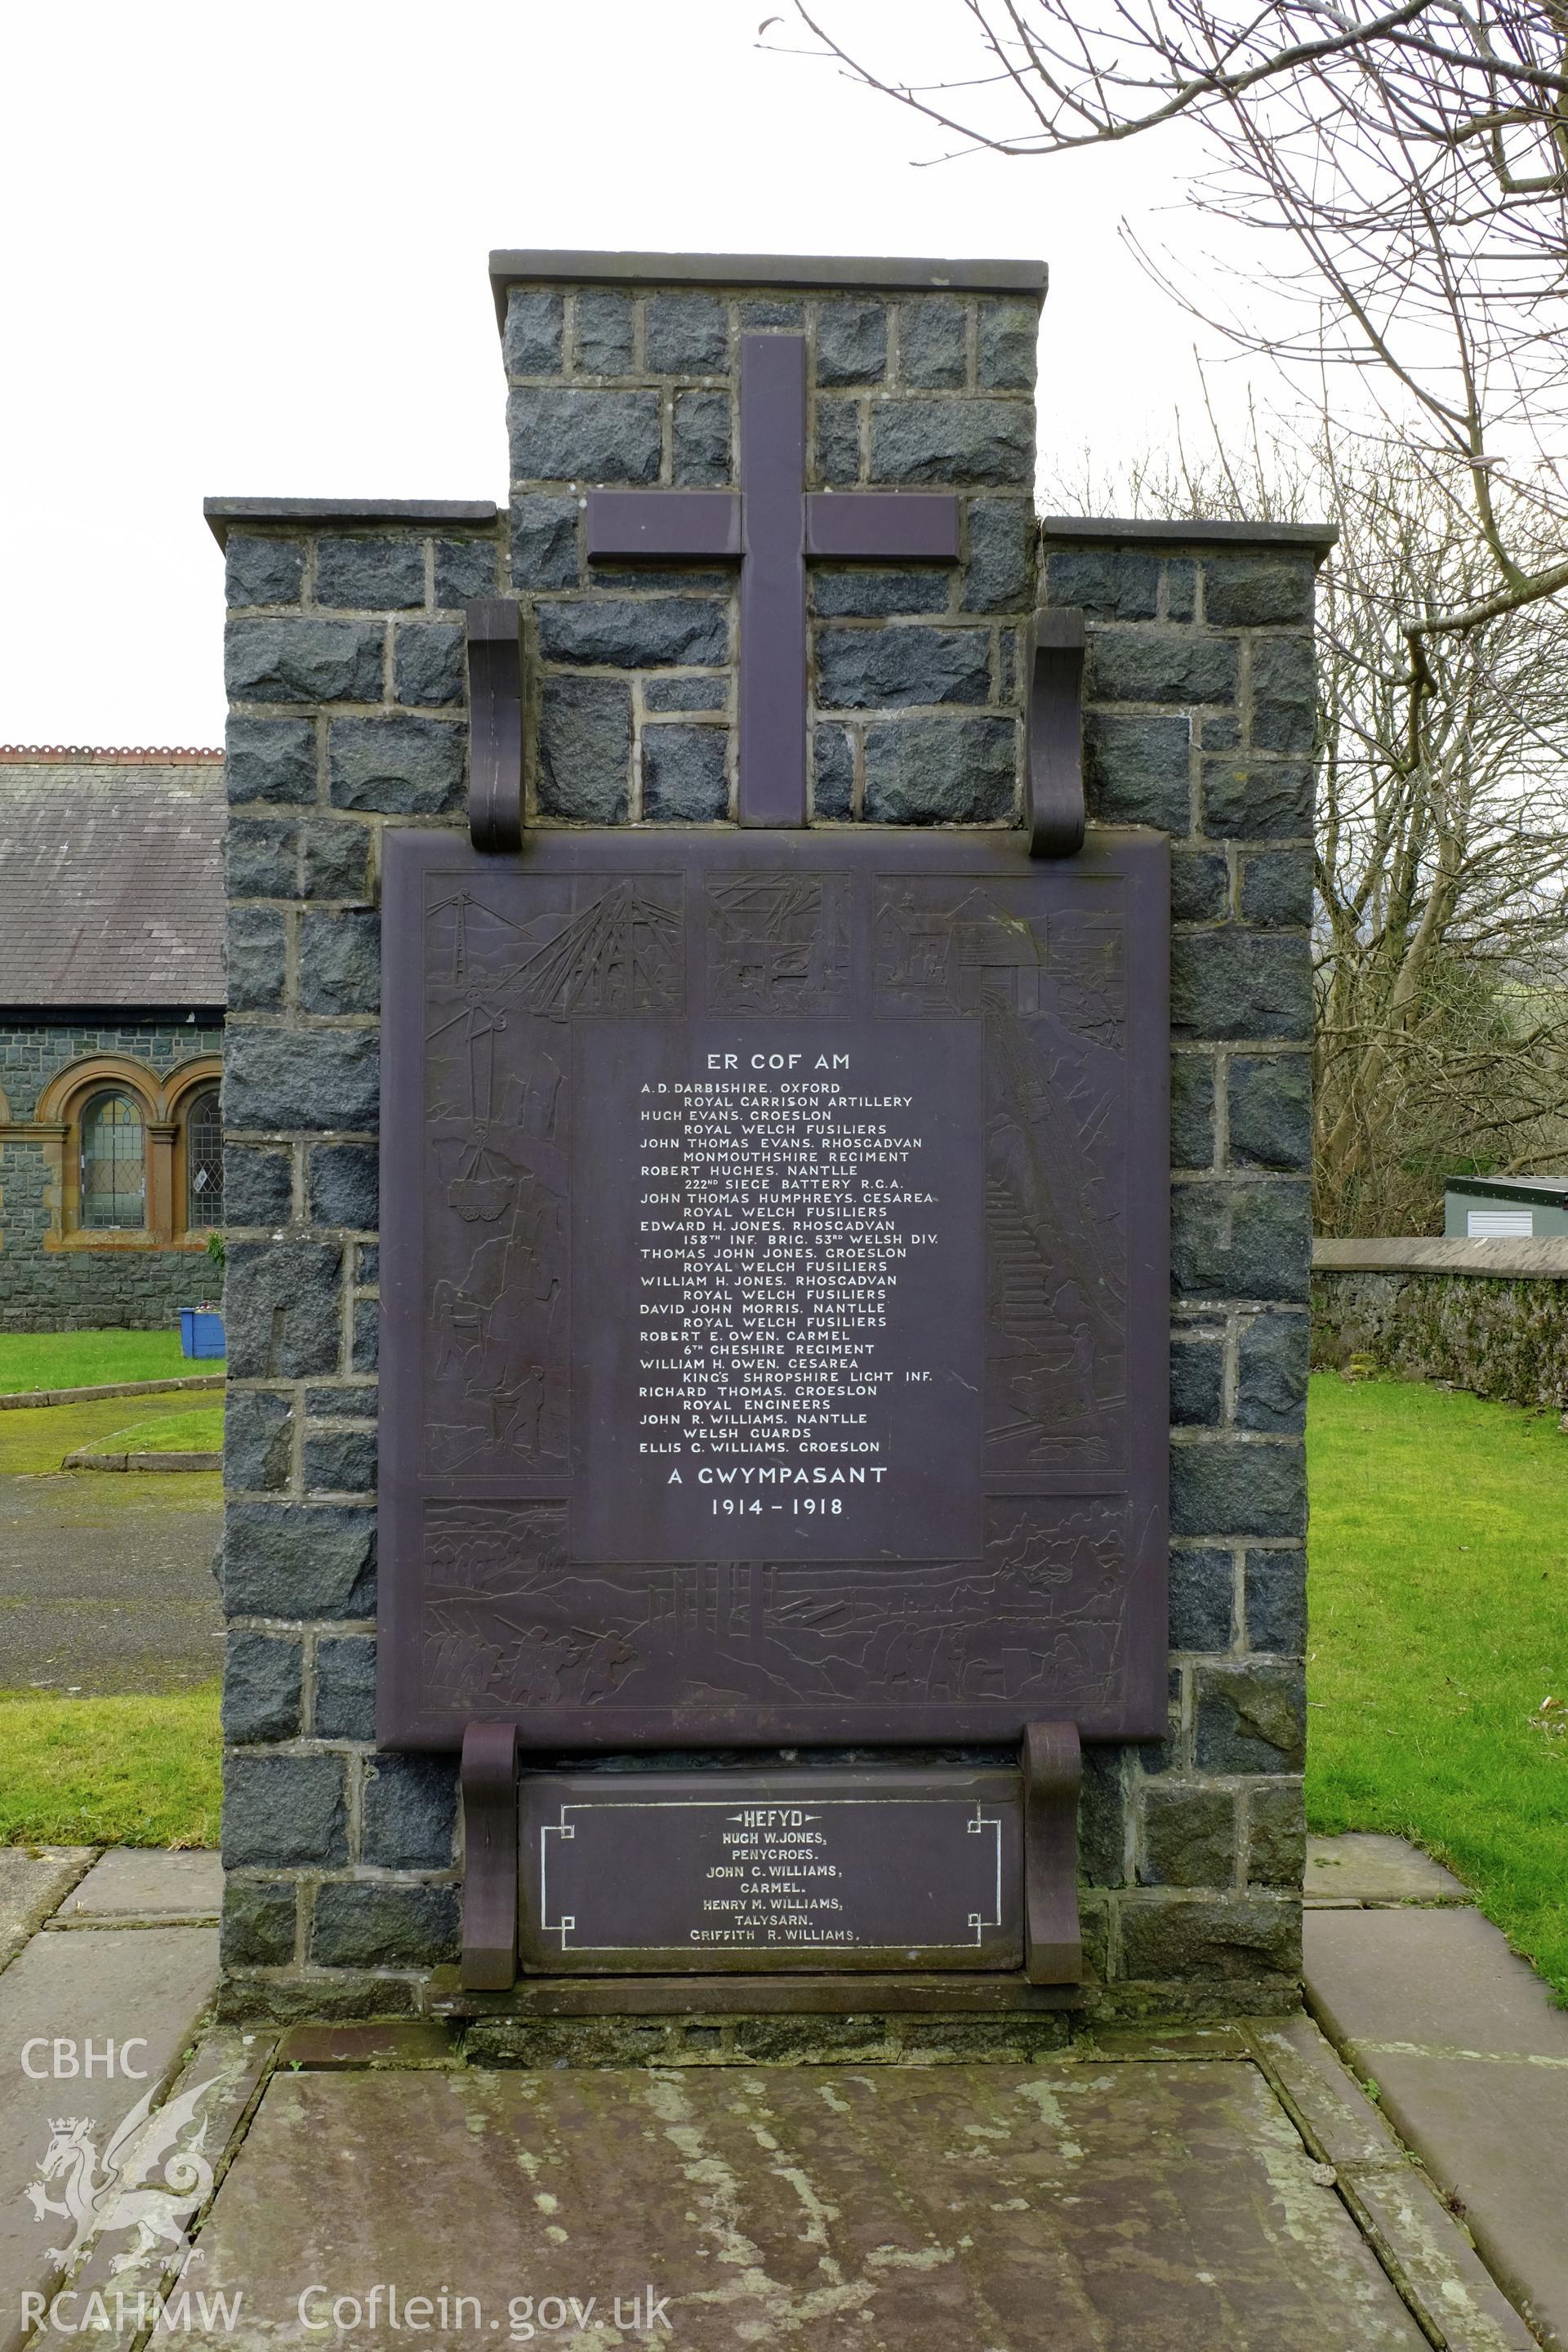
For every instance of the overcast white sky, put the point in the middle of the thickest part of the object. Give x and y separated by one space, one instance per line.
245 247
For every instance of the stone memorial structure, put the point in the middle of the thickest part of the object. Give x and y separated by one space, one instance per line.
769 1066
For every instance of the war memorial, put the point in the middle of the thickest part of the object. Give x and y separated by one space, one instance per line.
767 1139
765 1107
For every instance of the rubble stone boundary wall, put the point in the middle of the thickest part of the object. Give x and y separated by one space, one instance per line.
1490 1317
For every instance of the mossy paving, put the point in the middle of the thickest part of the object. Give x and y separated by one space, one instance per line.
902 2207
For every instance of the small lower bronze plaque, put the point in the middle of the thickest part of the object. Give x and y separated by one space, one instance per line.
790 1871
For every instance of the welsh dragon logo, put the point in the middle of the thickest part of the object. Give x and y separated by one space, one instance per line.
115 2193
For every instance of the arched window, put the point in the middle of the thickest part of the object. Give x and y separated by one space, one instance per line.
113 1164
204 1162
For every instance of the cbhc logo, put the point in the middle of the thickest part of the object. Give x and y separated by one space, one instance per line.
68 2059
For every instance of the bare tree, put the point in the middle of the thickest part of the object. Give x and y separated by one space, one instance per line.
1441 932
1406 168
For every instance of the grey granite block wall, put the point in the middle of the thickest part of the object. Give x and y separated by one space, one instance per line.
347 713
915 693
1198 719
350 715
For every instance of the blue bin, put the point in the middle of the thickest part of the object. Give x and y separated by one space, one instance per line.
201 1331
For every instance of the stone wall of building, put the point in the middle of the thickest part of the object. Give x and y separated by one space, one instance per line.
348 714
120 1286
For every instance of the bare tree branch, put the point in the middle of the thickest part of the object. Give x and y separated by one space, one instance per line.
1416 161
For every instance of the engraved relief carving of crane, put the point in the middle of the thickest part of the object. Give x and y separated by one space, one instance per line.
614 956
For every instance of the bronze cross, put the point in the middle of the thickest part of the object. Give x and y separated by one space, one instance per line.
773 527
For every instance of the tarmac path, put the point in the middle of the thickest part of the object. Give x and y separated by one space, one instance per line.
106 1582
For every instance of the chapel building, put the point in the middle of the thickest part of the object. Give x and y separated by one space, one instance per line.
111 1013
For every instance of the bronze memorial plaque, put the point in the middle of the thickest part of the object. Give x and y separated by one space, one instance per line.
678 1872
774 1289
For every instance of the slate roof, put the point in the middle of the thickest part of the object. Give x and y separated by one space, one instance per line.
111 879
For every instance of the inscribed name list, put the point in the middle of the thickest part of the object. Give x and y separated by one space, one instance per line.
779 1262
874 1868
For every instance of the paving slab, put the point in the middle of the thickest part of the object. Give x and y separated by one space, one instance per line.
1428 1980
1360 1867
144 1986
1335 2116
408 2041
1470 2062
1122 2207
33 1881
1494 2133
1417 2237
1452 2291
1151 2043
129 1881
179 2156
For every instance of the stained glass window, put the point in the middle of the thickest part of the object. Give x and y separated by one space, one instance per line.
113 1164
204 1162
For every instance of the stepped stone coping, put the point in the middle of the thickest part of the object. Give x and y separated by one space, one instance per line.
407 514
857 273
1176 532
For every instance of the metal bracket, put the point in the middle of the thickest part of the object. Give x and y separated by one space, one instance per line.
495 724
1054 802
1053 1772
489 1781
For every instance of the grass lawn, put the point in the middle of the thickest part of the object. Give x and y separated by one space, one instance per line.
187 1431
36 1442
110 1771
1440 1625
81 1359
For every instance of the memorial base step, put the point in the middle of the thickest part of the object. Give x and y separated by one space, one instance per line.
827 1996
